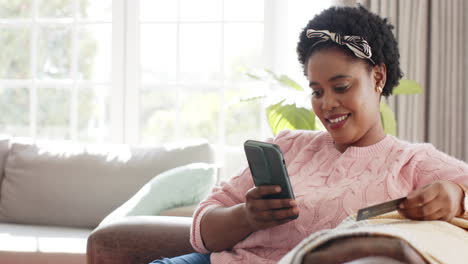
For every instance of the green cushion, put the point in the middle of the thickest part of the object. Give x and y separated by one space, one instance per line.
181 186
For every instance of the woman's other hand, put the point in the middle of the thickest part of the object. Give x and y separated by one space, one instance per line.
440 200
264 213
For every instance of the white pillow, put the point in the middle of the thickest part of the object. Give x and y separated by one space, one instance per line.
181 186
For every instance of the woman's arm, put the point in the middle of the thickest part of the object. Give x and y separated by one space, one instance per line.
438 180
223 227
235 208
440 200
464 205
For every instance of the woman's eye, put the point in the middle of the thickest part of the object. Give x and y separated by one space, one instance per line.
316 93
341 88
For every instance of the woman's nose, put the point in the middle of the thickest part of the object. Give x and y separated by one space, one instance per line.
329 102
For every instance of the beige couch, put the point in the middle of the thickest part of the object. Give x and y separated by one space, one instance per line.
53 194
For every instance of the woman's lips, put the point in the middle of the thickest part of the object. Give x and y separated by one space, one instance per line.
338 121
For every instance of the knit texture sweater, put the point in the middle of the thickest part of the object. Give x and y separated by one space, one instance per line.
328 186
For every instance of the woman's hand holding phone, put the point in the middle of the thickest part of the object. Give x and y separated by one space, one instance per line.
265 213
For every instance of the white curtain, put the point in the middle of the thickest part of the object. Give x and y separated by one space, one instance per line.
448 122
432 37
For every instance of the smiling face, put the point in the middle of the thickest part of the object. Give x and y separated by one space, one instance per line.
345 97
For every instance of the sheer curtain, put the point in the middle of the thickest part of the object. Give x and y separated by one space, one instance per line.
432 38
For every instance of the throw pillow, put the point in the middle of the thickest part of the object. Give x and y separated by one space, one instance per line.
180 186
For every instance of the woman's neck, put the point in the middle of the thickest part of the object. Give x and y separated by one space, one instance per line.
371 137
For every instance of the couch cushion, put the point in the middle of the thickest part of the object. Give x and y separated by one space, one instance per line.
181 186
4 148
68 184
42 244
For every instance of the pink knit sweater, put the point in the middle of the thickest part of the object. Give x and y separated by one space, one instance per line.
329 186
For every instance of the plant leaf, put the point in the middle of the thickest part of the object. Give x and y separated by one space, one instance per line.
388 119
289 116
251 98
407 87
286 81
271 73
253 76
250 73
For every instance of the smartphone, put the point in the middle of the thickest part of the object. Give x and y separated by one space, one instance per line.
268 167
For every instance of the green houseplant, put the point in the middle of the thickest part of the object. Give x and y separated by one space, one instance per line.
290 111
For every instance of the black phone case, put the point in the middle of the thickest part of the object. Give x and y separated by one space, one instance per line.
268 167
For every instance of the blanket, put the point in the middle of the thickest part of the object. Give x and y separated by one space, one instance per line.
436 241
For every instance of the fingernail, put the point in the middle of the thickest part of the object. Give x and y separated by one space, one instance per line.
293 203
402 206
278 189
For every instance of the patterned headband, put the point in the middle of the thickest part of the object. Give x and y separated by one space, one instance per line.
356 44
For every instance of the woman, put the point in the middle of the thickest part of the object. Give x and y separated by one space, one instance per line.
351 60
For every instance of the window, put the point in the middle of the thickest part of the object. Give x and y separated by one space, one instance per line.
55 68
143 72
189 57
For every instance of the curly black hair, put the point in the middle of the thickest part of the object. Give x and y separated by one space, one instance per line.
356 21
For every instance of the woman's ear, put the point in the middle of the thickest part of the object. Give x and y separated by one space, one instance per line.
380 75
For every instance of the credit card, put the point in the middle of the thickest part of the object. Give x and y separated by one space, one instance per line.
379 209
